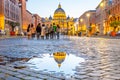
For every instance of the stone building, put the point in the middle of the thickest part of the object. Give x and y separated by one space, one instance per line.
13 12
106 12
87 21
60 18
112 14
26 16
101 16
37 19
9 13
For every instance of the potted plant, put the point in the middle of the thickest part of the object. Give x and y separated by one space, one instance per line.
114 24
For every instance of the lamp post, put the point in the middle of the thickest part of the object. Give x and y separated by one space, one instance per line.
20 5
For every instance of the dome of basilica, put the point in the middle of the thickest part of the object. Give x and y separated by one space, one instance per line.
59 13
59 10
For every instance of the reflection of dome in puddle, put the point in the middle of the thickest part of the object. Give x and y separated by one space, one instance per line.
59 57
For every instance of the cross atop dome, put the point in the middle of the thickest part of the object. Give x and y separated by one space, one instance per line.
59 6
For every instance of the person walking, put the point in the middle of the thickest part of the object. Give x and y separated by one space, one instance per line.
38 30
51 31
32 31
29 31
47 31
54 29
58 31
43 31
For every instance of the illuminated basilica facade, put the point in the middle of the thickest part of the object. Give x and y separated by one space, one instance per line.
60 18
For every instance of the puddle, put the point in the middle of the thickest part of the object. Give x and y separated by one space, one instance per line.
55 63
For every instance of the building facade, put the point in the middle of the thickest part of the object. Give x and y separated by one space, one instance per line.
106 12
37 19
26 16
112 14
101 16
29 19
14 13
87 21
9 14
59 18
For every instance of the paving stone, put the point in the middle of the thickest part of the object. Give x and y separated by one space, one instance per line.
94 74
2 75
20 76
80 73
107 79
29 78
24 72
11 78
115 77
81 77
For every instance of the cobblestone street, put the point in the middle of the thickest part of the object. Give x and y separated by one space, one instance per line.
101 55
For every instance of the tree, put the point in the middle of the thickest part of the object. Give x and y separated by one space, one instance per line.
115 24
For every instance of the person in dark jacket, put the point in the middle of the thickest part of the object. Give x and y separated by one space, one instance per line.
32 31
51 32
54 28
38 30
29 31
58 31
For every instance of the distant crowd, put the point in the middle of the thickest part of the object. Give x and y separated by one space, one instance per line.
43 31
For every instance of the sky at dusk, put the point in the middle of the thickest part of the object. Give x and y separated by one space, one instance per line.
73 8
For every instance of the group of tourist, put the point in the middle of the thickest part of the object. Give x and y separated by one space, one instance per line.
43 31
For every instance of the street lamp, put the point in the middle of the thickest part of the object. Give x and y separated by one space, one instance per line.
101 5
81 20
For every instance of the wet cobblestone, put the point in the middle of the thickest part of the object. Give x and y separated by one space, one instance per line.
102 58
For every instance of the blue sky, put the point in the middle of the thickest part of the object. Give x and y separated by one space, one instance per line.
73 8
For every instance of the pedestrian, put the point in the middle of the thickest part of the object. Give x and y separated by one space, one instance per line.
54 28
43 31
32 31
47 31
51 31
38 30
58 31
29 31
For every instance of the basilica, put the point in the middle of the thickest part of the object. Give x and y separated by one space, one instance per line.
60 18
